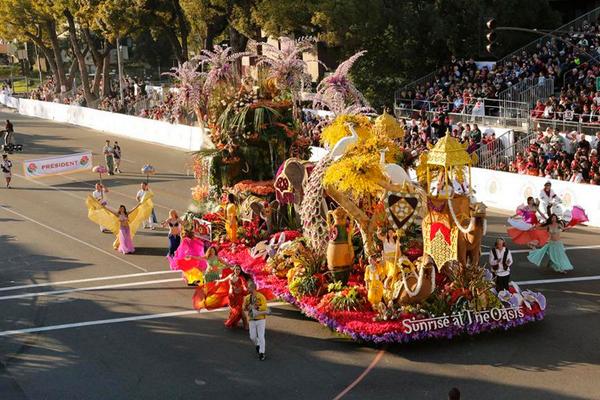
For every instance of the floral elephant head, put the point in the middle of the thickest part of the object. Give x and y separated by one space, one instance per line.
291 180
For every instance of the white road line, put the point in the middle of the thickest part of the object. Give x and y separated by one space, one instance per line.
88 289
73 238
487 253
117 320
561 280
101 278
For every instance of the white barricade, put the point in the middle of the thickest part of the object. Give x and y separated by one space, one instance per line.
149 130
507 190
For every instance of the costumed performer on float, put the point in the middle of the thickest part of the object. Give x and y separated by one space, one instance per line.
231 214
122 224
553 205
189 258
388 239
554 249
524 223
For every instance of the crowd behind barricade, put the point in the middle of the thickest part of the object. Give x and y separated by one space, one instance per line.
571 60
565 156
136 99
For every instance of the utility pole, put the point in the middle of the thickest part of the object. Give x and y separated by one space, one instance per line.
120 67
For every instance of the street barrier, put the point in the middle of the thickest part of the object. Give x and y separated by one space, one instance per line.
180 136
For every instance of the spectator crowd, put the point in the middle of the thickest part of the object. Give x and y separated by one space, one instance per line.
569 156
571 60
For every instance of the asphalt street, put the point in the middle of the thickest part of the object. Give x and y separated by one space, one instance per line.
80 321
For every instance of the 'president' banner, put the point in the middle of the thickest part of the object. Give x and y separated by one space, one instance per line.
58 165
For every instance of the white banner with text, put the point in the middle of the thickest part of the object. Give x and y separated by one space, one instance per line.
57 165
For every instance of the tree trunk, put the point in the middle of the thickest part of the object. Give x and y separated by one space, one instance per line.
183 29
89 97
60 68
48 54
106 74
213 30
175 45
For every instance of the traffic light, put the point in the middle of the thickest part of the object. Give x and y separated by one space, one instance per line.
491 35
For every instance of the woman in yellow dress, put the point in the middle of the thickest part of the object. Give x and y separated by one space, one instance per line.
231 212
388 239
373 282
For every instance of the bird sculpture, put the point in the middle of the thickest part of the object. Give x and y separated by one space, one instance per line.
344 143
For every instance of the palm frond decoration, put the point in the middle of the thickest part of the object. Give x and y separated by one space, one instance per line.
337 92
285 64
189 91
220 64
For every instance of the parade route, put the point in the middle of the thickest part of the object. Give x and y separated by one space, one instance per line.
81 321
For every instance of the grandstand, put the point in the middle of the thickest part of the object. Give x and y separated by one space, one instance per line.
549 87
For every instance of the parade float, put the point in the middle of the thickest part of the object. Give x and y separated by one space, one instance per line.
349 239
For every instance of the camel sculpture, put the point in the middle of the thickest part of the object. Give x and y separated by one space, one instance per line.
469 238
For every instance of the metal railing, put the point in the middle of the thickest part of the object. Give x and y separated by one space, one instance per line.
520 144
492 112
529 91
490 153
562 125
577 22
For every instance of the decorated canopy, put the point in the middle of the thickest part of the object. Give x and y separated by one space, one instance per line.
448 152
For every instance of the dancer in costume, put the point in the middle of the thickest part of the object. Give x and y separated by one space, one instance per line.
524 223
237 292
554 249
553 204
231 213
125 242
140 196
500 261
122 224
189 258
548 198
100 194
174 225
215 266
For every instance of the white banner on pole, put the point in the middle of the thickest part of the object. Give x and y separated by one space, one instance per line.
58 165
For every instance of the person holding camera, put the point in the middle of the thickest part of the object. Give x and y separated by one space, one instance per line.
501 261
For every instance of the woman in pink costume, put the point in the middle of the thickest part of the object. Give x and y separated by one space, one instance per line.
523 226
189 258
125 242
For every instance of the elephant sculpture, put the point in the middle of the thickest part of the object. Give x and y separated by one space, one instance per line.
291 181
268 212
469 238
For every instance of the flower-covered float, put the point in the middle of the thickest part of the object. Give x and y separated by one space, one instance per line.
350 239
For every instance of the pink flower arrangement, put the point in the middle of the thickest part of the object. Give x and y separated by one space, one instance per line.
359 325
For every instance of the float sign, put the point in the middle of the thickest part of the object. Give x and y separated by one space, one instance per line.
58 165
464 319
